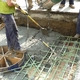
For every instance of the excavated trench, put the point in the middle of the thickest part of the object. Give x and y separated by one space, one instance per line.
61 62
61 22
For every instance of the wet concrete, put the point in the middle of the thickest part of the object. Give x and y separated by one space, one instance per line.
29 38
30 43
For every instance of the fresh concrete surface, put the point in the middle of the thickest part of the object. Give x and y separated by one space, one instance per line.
29 36
29 39
29 42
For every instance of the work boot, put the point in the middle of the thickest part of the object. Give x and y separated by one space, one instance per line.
61 5
77 36
72 6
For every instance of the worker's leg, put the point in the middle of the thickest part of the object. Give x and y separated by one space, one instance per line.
71 4
30 4
71 1
62 4
11 32
78 27
38 1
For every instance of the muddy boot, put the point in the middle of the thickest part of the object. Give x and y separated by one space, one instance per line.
30 4
77 36
72 6
61 6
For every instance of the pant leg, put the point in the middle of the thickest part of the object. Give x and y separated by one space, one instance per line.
71 2
38 1
30 2
63 2
11 32
78 24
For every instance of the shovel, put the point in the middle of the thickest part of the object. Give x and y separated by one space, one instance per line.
44 30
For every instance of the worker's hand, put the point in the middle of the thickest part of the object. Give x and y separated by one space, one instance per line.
15 4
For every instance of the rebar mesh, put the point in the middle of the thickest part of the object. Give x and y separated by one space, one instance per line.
61 66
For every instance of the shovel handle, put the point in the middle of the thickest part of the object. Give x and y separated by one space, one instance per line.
45 44
25 12
34 21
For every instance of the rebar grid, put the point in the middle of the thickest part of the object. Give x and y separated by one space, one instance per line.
53 67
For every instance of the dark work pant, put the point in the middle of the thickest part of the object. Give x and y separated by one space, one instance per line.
78 24
70 1
11 31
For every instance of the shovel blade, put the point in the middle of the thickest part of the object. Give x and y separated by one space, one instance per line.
44 31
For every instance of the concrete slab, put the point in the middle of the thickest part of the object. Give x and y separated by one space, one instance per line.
67 8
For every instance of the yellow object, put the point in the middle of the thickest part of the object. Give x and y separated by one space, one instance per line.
5 9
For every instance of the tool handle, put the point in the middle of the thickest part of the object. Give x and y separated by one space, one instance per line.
34 21
17 6
25 12
45 44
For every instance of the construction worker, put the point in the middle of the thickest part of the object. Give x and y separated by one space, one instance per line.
71 4
78 27
7 9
